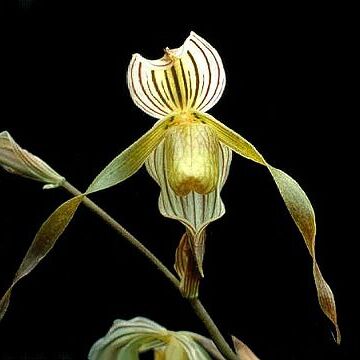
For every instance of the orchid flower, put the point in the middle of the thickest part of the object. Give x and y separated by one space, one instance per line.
128 338
188 152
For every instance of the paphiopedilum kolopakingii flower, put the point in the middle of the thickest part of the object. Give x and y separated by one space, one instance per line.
128 338
188 152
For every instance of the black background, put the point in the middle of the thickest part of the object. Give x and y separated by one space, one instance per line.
290 91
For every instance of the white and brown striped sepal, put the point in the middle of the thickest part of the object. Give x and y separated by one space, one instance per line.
191 77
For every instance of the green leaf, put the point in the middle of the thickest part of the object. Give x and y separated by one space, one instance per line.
297 203
130 160
43 242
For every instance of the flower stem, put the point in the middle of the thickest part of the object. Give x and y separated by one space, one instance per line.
123 232
199 309
213 330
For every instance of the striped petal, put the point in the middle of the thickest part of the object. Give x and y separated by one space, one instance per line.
194 210
189 77
127 339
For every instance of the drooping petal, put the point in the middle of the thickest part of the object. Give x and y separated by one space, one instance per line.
130 160
19 161
189 77
297 203
123 166
43 242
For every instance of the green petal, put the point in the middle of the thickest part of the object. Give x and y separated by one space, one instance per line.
130 160
296 202
43 242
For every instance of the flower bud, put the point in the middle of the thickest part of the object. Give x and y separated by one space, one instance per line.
19 161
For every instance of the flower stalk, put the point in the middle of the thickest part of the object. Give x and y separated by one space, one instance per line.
123 232
196 304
